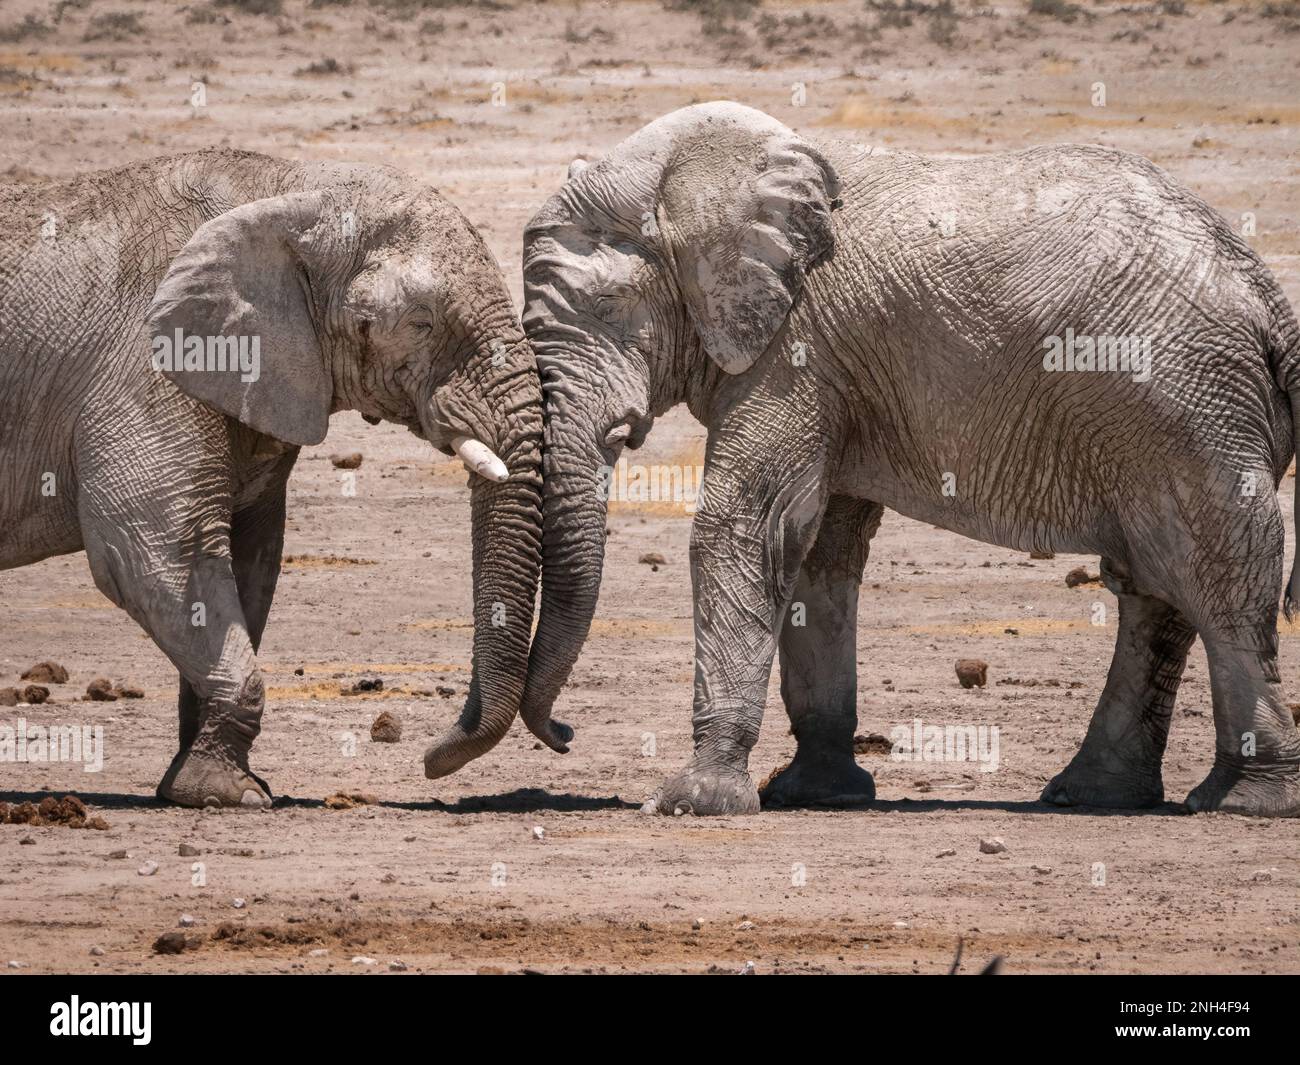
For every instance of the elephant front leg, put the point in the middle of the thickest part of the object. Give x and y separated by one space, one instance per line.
756 518
819 666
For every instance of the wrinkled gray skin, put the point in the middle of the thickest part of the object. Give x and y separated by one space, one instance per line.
369 292
706 252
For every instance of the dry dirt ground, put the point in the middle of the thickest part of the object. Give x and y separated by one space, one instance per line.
449 875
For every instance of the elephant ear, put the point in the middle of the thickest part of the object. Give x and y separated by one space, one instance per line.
749 239
243 277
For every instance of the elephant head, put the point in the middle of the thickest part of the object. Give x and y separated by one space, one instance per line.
649 278
373 294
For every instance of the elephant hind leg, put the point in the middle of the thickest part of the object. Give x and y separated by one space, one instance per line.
1236 574
819 681
1118 764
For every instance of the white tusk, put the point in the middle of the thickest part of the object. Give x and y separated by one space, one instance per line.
478 458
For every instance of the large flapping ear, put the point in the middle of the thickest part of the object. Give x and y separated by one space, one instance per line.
753 224
232 322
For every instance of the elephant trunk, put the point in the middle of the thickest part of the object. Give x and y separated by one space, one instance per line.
506 537
575 501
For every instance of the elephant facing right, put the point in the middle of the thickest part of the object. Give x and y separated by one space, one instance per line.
1057 349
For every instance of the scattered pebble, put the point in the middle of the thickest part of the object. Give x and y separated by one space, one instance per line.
186 921
319 952
398 966
992 845
174 943
747 970
949 853
96 952
745 926
239 904
148 869
1041 870
18 965
697 924
361 959
186 850
539 832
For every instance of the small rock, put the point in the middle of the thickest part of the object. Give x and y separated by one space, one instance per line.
445 691
539 832
747 969
96 952
119 854
1041 870
992 845
361 959
100 690
652 558
901 924
128 691
387 728
972 672
18 965
186 850
35 694
148 869
948 853
366 684
745 926
27 841
319 952
186 921
697 924
350 461
398 966
649 807
239 904
1079 576
46 673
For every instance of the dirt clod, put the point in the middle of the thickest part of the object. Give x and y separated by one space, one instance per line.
387 728
35 694
100 690
972 672
872 743
46 673
347 800
350 461
1079 576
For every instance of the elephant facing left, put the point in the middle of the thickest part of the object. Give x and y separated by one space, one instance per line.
172 332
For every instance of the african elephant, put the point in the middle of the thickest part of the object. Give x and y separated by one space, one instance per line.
862 330
172 332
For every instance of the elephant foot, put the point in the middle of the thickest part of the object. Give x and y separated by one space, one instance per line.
827 782
1272 791
1091 782
200 778
707 791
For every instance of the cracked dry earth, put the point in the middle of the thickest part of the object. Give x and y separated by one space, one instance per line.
449 875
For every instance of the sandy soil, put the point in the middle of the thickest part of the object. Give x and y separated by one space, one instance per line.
451 876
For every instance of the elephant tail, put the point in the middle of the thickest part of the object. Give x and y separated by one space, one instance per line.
1284 358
